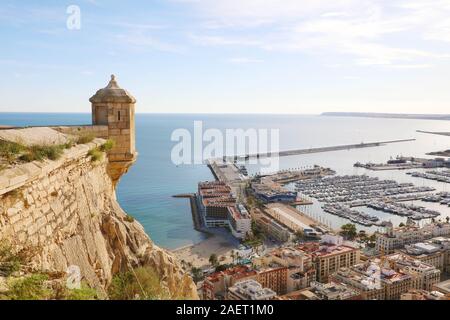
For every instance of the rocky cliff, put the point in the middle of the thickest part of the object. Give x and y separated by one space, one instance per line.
64 213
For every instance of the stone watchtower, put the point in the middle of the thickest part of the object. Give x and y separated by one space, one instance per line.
114 107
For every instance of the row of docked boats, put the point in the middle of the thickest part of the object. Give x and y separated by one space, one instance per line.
441 176
356 188
440 197
402 209
355 216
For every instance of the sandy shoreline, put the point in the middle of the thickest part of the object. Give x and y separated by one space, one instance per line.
220 242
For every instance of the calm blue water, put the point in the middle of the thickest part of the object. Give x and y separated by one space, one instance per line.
146 191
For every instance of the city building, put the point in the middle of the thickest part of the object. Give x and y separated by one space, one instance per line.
324 291
240 221
272 192
424 276
435 163
274 278
330 255
218 208
415 294
288 217
443 287
368 285
397 238
214 199
250 290
271 228
215 286
376 279
300 270
435 251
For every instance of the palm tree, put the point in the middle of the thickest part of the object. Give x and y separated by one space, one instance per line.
213 260
238 257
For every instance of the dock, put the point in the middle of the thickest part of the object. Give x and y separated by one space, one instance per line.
297 152
196 219
184 195
437 133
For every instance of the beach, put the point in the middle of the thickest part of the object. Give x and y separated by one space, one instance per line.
219 242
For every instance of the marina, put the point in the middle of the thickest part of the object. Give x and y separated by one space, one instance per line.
441 176
405 210
441 197
340 194
356 190
355 216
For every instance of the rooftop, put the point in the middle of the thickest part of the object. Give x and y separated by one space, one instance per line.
237 214
383 271
405 261
112 93
325 249
252 290
238 272
443 286
327 291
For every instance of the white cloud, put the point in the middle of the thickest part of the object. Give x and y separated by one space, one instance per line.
207 40
139 39
241 11
370 32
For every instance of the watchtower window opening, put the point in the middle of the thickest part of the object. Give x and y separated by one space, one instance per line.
118 116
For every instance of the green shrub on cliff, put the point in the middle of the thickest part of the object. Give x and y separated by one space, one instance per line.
95 154
10 150
107 146
42 152
85 138
84 293
139 284
29 288
9 262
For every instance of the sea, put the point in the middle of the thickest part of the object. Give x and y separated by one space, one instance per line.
146 191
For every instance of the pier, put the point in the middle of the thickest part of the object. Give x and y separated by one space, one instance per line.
297 152
404 163
196 219
437 133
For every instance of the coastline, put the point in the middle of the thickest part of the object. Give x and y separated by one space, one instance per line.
219 242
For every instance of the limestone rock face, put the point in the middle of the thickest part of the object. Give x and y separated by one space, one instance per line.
69 216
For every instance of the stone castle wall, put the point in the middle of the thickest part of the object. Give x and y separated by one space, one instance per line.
65 213
123 155
96 130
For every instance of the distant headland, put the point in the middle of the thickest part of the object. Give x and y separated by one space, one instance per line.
388 115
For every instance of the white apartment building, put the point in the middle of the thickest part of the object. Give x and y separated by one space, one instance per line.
396 238
424 276
239 221
249 290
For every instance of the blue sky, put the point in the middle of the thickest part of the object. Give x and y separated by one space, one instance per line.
229 56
